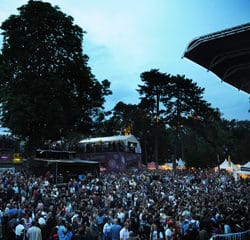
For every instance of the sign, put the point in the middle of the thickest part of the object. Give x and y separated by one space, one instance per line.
246 169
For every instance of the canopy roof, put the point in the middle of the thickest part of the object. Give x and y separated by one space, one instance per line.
226 53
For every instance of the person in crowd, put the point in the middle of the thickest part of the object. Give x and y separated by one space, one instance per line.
226 227
88 235
115 230
100 222
11 226
203 234
69 232
42 222
121 215
34 232
155 233
169 233
50 224
53 235
62 230
93 227
106 229
27 220
124 233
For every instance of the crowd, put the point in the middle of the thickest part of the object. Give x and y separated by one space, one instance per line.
140 204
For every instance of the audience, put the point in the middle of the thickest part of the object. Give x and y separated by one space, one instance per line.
142 204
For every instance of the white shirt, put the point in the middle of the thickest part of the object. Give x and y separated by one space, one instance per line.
34 233
154 235
19 229
107 226
169 234
124 234
16 189
227 229
41 221
121 216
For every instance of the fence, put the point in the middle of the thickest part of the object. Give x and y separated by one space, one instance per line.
232 236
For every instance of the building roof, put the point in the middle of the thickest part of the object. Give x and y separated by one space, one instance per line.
225 53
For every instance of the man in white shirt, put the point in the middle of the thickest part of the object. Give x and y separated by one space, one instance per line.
107 229
124 233
121 215
34 232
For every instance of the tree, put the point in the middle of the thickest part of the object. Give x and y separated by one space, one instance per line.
153 93
202 142
47 88
237 144
172 99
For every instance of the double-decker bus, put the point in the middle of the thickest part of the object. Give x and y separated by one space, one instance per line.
114 153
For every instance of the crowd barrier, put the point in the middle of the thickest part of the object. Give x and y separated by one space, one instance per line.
232 236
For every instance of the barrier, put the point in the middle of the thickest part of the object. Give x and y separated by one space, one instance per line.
232 236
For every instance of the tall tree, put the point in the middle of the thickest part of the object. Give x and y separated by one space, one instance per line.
154 92
47 88
172 99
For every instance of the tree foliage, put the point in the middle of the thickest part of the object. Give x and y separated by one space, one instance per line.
171 100
237 143
47 88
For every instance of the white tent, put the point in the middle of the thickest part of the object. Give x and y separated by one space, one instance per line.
245 170
228 165
180 164
247 165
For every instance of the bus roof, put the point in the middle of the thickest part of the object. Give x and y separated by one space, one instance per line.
123 138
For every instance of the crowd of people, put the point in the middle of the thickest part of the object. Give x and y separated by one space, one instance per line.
138 204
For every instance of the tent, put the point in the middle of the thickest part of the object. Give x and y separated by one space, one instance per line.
247 165
244 171
180 164
151 166
228 165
